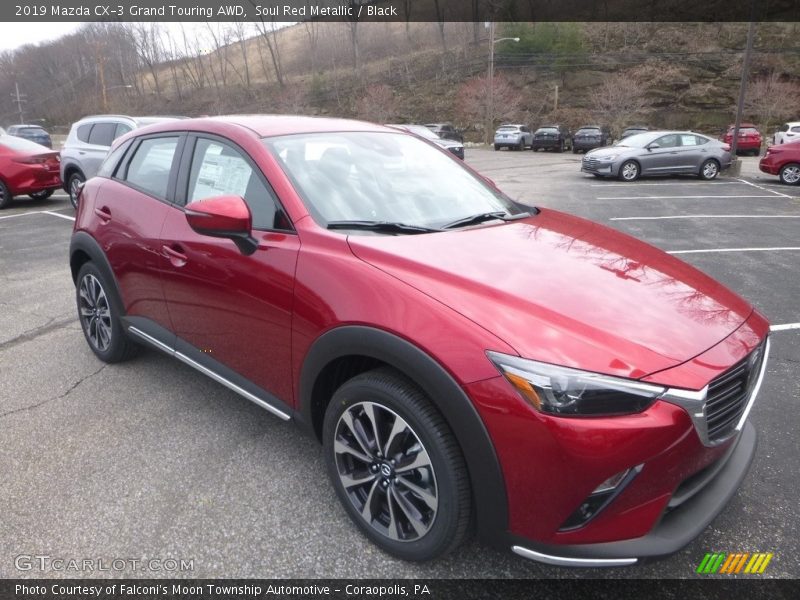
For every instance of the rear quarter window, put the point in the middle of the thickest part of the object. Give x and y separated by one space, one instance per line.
83 132
102 134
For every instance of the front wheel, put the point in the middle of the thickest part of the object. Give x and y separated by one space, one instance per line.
629 171
99 314
496 147
73 185
790 174
42 195
709 169
396 466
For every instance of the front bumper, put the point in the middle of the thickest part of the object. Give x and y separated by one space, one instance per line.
599 167
551 465
766 165
677 528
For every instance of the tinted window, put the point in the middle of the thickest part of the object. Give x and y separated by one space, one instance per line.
221 170
34 130
112 160
122 129
795 128
547 130
150 167
588 131
102 134
84 131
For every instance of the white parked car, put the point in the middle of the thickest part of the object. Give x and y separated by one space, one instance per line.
789 132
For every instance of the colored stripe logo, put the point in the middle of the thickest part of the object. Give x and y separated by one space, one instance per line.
741 562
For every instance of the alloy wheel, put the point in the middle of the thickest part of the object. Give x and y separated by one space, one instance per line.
630 171
95 312
791 174
710 169
386 471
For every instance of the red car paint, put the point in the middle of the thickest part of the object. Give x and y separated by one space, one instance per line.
27 167
749 138
778 156
552 288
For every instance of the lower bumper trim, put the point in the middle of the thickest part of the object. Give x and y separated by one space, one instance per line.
565 561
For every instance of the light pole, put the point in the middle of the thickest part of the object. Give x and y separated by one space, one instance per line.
490 110
112 87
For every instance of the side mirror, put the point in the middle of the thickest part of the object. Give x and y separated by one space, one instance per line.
653 145
223 217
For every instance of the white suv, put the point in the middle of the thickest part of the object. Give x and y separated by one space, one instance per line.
87 145
789 132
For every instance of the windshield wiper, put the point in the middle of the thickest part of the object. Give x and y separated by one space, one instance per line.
487 216
382 226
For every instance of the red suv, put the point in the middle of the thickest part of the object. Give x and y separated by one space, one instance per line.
565 390
749 139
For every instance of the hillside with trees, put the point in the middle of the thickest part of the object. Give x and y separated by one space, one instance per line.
666 75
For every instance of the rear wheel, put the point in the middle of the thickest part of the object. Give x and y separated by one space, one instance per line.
560 147
43 195
790 173
99 314
496 147
5 195
709 169
629 171
396 466
521 145
73 185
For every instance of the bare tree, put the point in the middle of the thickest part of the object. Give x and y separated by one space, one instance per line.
377 104
480 97
147 38
268 35
619 97
771 98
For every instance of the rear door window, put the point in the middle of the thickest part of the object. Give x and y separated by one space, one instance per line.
102 134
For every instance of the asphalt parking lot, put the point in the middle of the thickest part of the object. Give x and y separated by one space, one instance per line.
150 460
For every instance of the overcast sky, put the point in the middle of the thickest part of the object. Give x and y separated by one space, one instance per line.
14 35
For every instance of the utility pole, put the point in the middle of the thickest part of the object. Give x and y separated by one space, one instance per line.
19 99
555 103
736 166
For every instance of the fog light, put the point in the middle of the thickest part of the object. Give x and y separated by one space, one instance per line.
601 497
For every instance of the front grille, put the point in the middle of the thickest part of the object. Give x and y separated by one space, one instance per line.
590 163
728 395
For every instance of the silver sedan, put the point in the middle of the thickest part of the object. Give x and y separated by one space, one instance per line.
659 153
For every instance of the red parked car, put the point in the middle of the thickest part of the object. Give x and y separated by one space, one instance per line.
569 392
749 139
26 168
784 161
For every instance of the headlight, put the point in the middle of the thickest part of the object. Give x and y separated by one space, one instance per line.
609 157
571 392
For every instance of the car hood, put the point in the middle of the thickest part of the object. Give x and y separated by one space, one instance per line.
612 151
564 290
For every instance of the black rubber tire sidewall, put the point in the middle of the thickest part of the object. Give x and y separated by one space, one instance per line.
121 348
5 195
386 387
73 177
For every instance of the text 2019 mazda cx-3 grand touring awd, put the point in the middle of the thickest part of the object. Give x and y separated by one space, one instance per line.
467 363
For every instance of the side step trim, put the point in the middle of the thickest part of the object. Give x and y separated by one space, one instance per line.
209 373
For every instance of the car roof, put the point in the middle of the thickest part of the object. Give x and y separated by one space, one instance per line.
268 125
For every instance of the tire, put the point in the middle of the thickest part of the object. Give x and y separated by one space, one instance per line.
629 170
99 314
5 195
496 147
414 512
790 174
43 195
560 148
72 186
574 150
521 146
709 169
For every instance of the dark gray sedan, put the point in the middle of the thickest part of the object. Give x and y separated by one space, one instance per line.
659 153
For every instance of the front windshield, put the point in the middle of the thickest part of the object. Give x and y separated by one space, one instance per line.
547 130
376 176
639 140
588 131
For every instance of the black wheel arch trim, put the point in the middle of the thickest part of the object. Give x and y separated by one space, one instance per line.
83 242
488 484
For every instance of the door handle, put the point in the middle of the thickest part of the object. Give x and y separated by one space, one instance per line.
104 213
176 257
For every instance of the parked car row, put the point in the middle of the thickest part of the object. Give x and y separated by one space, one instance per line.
26 168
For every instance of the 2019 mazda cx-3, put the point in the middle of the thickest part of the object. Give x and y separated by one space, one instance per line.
467 363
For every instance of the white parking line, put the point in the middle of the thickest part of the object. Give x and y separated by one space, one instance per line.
765 189
684 197
705 217
25 214
785 327
734 250
55 214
